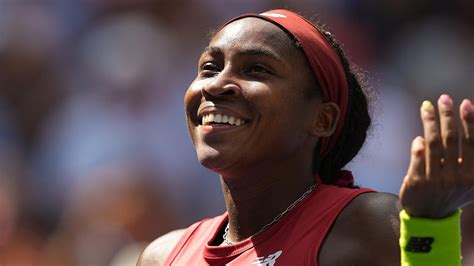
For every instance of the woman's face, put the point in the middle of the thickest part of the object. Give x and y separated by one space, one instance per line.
249 106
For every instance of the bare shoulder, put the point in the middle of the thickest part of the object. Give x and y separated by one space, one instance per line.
366 232
373 207
158 250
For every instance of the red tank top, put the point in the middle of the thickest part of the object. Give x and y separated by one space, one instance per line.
294 240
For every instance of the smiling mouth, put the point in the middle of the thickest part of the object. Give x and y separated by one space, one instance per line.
220 119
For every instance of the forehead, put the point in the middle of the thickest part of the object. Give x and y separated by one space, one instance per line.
254 32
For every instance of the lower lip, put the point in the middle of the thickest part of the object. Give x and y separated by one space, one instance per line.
207 129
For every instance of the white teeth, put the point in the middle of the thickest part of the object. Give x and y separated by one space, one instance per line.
218 118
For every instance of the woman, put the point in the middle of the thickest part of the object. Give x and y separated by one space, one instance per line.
276 111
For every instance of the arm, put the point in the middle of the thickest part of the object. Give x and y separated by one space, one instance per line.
468 235
157 252
436 185
365 233
438 181
440 178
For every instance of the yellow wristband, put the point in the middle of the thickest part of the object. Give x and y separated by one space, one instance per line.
426 241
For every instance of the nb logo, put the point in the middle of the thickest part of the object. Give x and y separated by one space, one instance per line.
267 261
419 244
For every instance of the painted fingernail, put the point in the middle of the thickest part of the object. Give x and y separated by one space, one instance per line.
467 105
446 100
418 144
427 106
419 140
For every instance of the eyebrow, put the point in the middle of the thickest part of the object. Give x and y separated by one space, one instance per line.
253 51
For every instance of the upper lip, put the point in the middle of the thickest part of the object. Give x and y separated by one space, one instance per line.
207 108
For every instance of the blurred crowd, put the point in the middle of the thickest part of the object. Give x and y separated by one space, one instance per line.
95 160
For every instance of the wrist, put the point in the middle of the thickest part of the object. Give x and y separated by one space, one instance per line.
430 215
425 241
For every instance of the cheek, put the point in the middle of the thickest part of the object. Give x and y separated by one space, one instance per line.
192 94
192 99
190 127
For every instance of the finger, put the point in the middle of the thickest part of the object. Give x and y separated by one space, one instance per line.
416 170
449 134
466 110
433 145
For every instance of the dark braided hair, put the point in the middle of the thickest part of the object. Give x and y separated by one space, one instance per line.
356 125
357 120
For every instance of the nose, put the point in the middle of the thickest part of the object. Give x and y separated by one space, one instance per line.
221 85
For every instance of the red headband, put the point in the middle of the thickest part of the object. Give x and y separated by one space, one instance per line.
323 59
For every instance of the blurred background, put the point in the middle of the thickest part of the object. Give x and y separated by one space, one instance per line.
95 160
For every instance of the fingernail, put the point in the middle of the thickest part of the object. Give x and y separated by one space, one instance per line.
446 100
427 106
420 140
418 143
467 106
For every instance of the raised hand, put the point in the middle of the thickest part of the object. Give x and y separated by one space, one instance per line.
440 178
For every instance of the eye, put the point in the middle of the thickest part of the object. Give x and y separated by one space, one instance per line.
209 69
259 69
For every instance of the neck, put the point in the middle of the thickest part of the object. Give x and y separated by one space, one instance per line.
254 201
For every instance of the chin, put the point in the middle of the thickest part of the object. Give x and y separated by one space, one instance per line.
211 159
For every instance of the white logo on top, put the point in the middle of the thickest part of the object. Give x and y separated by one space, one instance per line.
268 261
273 15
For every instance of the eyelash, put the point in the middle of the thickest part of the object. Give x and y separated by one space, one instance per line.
210 69
261 67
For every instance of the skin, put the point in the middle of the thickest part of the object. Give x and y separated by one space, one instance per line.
252 70
468 235
440 177
240 79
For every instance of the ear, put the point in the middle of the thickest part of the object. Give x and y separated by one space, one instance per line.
325 119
